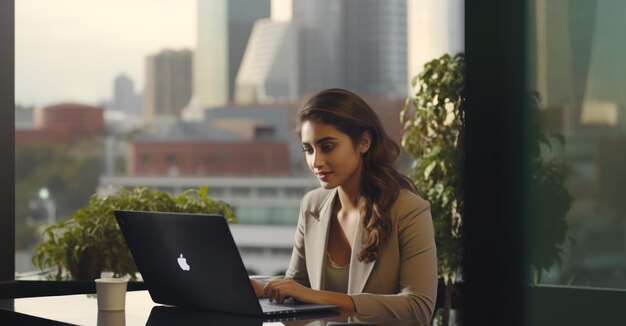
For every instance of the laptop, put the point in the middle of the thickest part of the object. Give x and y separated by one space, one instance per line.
191 261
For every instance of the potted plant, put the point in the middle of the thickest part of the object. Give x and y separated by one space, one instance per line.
90 241
434 135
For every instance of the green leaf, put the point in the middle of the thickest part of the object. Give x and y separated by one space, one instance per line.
429 169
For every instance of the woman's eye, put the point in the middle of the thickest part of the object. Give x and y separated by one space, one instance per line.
307 150
327 148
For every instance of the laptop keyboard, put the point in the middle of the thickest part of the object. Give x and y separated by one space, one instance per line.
278 308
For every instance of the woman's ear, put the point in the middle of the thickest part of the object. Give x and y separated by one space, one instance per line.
366 142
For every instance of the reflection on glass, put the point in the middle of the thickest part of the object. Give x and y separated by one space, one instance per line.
577 50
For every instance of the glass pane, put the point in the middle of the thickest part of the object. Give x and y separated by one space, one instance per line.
80 75
579 181
172 95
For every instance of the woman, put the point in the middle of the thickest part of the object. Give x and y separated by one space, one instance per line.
364 239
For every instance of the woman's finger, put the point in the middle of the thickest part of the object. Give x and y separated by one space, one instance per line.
285 292
267 289
278 291
271 293
282 294
275 292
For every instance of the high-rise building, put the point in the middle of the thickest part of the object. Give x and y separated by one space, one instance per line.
124 97
578 58
269 69
320 56
168 84
224 27
375 47
564 31
357 44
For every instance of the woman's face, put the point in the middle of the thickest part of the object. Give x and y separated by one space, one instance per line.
331 155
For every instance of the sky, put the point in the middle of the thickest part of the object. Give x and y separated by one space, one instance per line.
71 50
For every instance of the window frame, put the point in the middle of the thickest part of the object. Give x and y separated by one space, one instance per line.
7 140
495 278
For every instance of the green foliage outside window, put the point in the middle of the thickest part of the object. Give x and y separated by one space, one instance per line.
70 174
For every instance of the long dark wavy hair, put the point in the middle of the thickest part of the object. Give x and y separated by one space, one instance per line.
380 181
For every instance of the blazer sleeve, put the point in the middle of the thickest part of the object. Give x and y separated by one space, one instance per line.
297 270
417 288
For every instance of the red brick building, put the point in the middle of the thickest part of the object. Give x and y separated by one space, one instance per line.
258 158
63 123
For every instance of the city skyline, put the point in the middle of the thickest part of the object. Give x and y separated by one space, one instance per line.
49 49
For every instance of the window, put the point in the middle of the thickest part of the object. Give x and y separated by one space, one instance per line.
146 95
577 51
170 159
500 78
241 192
295 192
215 192
223 158
268 215
263 133
86 112
7 142
267 192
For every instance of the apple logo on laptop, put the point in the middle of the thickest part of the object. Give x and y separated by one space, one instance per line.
182 262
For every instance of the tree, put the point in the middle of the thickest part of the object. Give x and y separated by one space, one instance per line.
548 199
434 135
70 174
434 130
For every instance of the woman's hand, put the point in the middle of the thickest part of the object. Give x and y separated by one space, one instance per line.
258 288
282 289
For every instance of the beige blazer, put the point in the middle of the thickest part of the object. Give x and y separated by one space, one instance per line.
401 283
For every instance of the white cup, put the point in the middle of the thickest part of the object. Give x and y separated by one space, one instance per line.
111 293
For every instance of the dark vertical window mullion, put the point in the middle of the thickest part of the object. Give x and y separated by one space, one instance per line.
494 261
7 141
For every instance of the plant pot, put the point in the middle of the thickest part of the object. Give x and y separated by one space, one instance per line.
89 267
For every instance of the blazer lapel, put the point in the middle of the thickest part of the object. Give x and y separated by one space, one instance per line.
318 240
359 271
